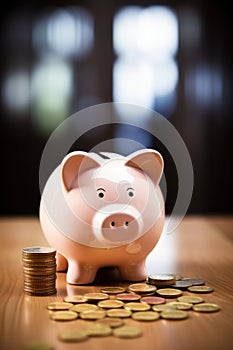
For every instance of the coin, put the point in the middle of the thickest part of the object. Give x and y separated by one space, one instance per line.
178 277
161 307
92 314
195 281
38 250
112 290
134 306
73 335
145 316
128 297
174 314
36 345
182 284
64 315
96 296
141 288
110 304
200 289
112 322
75 299
190 299
153 300
161 279
99 330
127 332
121 313
83 307
169 292
206 307
180 306
56 305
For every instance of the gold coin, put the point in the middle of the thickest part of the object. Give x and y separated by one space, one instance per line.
145 316
83 307
127 332
112 322
64 315
134 306
36 345
75 299
141 288
56 305
174 314
190 299
169 292
96 296
200 289
110 304
92 314
122 313
112 290
161 279
179 306
206 307
161 307
73 335
178 277
99 330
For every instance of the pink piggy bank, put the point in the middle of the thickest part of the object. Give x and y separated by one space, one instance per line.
104 210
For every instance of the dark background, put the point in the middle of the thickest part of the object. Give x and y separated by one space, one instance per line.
202 113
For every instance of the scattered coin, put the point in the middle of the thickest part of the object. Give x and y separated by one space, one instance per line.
142 288
169 292
182 284
153 300
112 322
73 335
134 306
64 315
36 345
56 305
127 332
180 306
174 314
98 330
76 299
161 279
110 304
206 307
92 314
128 297
200 289
190 299
161 307
83 307
195 281
96 296
178 277
112 290
145 316
121 313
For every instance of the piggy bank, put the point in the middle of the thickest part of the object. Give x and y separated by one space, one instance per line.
102 210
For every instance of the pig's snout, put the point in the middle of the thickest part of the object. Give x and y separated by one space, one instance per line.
118 220
116 224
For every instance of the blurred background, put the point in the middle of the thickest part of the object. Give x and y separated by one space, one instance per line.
58 57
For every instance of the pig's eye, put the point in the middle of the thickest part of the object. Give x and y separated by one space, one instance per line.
100 192
130 191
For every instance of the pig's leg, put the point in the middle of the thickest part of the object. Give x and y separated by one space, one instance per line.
133 271
62 263
80 273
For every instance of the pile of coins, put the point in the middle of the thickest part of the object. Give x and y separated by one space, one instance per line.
39 268
146 302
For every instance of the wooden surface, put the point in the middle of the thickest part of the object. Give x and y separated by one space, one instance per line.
200 247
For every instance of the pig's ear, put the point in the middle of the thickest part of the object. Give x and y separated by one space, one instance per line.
75 163
148 160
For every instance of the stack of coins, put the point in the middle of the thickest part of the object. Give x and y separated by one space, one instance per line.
39 267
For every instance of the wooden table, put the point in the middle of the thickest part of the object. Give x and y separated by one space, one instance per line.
200 247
